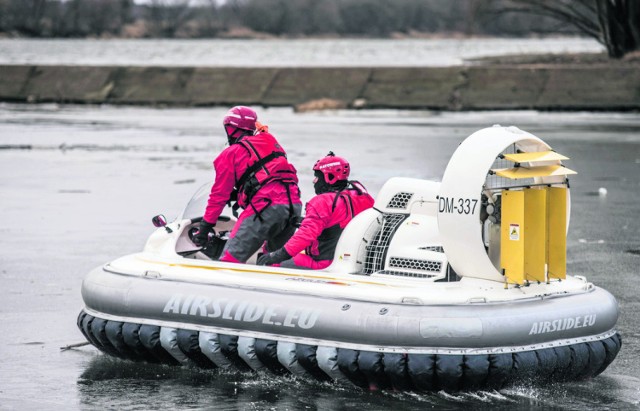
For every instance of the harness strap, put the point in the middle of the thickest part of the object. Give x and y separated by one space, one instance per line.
256 166
350 206
258 215
234 209
286 187
249 177
335 199
355 184
250 172
233 198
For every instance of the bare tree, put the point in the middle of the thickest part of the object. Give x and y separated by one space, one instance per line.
25 16
620 23
207 14
471 17
614 23
73 19
167 17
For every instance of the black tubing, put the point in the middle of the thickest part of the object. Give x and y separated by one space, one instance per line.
372 366
611 348
579 361
449 371
525 365
229 348
149 336
267 353
97 328
547 362
366 369
422 370
348 365
500 370
476 371
113 329
190 346
395 366
86 327
131 337
79 324
306 355
597 356
563 363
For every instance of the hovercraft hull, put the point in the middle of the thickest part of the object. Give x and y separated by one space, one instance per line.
459 284
383 345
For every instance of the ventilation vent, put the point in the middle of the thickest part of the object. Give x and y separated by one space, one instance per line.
405 274
436 248
377 250
400 200
413 264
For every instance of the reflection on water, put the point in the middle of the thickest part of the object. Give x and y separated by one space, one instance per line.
161 386
128 385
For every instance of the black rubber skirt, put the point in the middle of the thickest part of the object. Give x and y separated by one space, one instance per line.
365 369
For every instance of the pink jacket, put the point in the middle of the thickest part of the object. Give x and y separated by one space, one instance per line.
324 222
229 166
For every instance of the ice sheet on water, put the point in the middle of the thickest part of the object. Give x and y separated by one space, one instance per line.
278 52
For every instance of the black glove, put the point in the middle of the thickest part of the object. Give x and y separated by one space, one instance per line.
201 237
274 257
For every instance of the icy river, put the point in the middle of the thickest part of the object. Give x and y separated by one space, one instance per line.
79 185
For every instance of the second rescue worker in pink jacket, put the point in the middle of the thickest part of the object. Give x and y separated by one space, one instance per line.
338 200
255 173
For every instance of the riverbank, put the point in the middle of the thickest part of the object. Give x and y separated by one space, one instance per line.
551 83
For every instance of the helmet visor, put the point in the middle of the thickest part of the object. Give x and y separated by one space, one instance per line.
230 130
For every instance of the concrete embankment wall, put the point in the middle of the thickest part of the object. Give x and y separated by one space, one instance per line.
450 88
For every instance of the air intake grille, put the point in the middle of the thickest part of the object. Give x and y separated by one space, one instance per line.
400 200
377 250
413 264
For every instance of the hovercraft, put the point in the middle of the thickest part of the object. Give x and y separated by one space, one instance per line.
451 285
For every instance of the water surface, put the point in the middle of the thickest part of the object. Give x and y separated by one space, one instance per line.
278 52
79 185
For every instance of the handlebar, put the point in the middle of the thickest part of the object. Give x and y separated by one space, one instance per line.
221 218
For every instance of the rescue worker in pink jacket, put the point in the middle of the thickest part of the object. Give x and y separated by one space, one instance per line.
254 173
338 200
